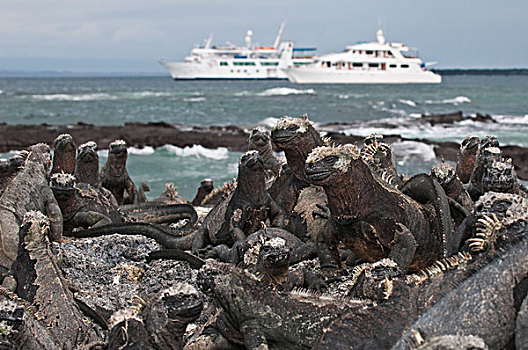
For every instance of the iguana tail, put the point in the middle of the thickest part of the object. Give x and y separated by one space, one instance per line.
159 213
161 235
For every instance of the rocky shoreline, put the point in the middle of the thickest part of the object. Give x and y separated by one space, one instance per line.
234 138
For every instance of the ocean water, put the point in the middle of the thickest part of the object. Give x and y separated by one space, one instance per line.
385 109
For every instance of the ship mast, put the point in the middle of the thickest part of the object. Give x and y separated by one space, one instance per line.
279 34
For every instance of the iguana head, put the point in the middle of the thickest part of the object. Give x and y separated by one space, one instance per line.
327 163
470 144
274 258
40 153
64 143
444 173
259 138
180 303
16 162
117 155
87 152
499 176
489 141
64 154
251 168
293 132
374 280
62 185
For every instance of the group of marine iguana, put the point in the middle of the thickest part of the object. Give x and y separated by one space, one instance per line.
332 248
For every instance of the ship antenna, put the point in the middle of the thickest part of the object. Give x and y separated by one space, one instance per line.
279 34
379 34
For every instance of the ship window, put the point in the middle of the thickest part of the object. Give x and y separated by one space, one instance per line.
373 65
390 54
328 64
404 66
355 64
301 63
244 63
269 63
393 66
369 52
223 63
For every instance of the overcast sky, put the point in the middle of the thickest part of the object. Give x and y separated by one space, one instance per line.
132 35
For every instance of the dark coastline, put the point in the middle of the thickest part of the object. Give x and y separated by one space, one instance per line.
17 137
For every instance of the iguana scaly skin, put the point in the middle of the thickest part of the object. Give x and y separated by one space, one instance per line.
484 305
64 154
466 158
378 221
40 282
260 140
27 191
114 175
241 212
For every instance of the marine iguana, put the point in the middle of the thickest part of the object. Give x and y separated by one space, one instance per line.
87 169
40 282
466 157
259 140
114 175
87 164
376 220
241 212
82 205
28 190
159 324
64 154
296 137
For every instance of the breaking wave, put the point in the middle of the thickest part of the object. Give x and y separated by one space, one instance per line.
408 102
412 151
198 151
284 91
455 101
511 119
147 150
74 97
194 99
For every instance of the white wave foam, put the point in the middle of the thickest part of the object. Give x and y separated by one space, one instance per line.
456 101
146 94
511 119
198 151
147 150
408 102
268 122
74 97
194 99
412 151
283 91
243 93
1 92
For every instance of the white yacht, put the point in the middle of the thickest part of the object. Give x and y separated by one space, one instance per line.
239 62
366 63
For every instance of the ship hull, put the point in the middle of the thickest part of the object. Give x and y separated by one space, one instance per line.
211 71
306 75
